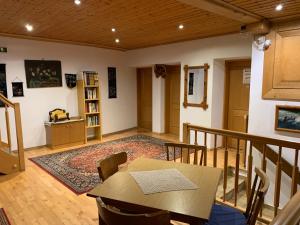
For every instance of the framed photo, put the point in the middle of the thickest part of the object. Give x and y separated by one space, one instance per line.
287 118
43 73
17 89
112 82
3 86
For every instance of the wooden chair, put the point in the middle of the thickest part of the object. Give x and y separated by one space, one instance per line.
111 216
225 215
290 214
184 152
110 165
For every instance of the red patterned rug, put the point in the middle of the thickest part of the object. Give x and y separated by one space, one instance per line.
77 170
3 218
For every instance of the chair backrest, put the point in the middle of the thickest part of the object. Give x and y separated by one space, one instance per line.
259 189
290 214
111 216
176 150
110 165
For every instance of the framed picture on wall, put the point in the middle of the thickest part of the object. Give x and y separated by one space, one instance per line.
17 89
287 118
3 86
112 82
43 73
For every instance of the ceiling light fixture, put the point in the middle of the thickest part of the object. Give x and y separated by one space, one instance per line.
29 27
77 2
113 29
279 7
117 40
181 26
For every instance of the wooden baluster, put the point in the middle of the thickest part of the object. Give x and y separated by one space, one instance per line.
167 151
249 171
174 154
264 168
188 153
245 153
205 153
277 182
8 128
237 171
185 135
225 170
295 175
19 133
215 151
196 152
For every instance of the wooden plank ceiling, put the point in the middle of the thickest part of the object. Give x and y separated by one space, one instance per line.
139 23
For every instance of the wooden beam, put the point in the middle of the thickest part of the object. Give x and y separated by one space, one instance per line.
224 9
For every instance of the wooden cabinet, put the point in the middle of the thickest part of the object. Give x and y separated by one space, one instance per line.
64 134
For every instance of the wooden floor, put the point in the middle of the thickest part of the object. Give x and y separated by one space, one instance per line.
34 197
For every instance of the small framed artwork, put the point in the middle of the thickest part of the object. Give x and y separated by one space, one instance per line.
17 89
287 118
112 82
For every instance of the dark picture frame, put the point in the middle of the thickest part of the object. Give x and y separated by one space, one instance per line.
43 73
3 85
112 82
287 118
17 89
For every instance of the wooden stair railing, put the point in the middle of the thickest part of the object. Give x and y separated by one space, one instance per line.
250 142
10 161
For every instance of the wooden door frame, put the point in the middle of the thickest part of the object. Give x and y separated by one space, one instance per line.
167 100
230 64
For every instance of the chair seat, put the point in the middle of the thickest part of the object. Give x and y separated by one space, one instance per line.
224 215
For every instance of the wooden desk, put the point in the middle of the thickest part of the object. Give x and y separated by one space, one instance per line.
189 206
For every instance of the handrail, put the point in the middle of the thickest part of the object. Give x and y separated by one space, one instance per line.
6 101
250 137
19 134
248 142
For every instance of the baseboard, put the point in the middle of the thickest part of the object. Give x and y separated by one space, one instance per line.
120 131
35 147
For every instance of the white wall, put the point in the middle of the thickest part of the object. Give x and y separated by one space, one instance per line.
261 122
194 53
118 114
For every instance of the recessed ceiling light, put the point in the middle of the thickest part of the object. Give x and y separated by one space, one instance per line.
77 2
113 29
29 27
181 26
279 7
117 40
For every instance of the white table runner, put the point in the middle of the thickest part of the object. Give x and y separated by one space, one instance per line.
156 181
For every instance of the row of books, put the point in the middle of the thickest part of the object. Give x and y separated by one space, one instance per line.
91 107
91 93
92 121
91 78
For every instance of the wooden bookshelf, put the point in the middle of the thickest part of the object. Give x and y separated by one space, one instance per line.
89 104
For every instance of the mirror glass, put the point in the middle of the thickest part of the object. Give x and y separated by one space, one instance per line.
195 85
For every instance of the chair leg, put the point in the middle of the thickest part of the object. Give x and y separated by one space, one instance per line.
101 222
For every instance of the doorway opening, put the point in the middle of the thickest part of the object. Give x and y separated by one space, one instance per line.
144 98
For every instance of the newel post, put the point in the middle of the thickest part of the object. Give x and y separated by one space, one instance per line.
186 133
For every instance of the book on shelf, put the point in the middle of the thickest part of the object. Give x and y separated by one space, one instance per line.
92 121
91 78
91 107
91 93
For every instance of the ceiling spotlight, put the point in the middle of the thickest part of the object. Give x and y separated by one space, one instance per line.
279 7
77 2
181 26
29 27
113 29
117 40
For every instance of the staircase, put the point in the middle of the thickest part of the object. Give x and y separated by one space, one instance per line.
11 161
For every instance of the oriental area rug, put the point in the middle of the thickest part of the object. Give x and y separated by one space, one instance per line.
77 168
3 218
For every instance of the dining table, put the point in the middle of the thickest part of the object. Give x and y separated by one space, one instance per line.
189 206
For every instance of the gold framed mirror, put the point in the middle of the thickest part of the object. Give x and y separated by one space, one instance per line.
195 86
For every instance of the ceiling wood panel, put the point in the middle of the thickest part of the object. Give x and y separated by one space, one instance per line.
139 23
